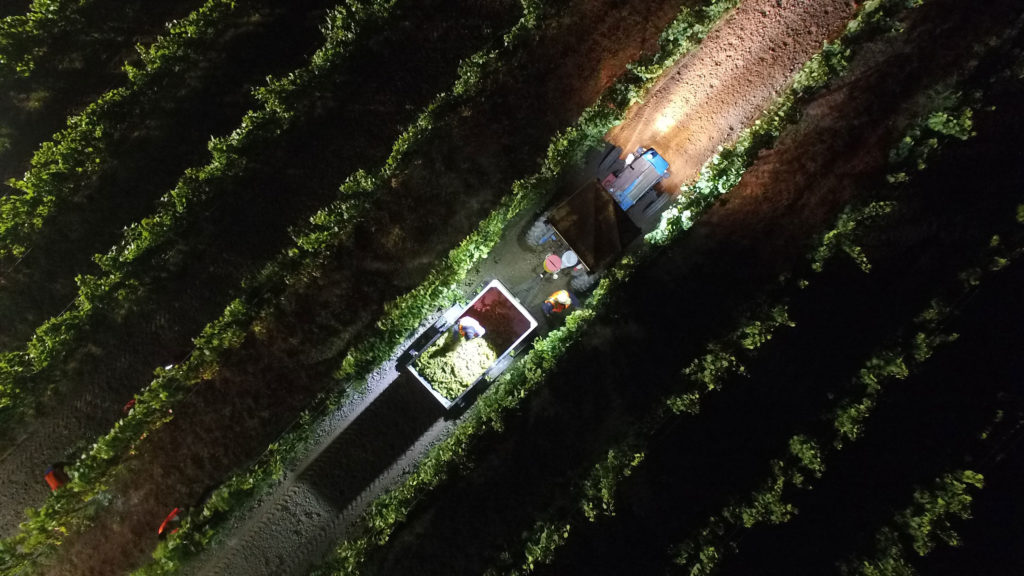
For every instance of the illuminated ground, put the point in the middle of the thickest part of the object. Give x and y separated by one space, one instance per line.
720 88
266 542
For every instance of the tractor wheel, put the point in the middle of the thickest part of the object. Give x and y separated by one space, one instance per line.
659 203
610 161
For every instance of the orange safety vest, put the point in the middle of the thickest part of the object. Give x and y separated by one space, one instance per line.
559 301
56 478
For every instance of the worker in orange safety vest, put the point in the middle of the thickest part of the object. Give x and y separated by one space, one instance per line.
559 302
56 477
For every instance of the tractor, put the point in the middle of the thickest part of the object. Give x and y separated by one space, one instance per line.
603 217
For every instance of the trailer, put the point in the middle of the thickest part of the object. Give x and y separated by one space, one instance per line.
595 224
454 370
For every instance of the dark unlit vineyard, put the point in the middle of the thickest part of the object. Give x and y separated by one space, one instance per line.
513 287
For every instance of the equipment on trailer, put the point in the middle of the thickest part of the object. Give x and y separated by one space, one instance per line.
508 327
456 358
601 218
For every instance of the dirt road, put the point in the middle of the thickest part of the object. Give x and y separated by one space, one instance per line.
711 95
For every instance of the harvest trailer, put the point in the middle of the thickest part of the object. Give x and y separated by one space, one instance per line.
596 224
450 367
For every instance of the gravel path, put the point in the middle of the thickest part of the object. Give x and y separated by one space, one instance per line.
712 94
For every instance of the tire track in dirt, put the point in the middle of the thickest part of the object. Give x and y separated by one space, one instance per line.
706 99
300 526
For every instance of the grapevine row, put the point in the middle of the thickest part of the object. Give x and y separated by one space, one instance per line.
43 213
724 359
77 153
388 511
60 55
24 37
925 524
952 121
805 457
43 530
327 229
125 272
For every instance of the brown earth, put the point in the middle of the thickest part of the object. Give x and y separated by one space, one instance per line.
228 421
266 537
764 228
719 89
90 385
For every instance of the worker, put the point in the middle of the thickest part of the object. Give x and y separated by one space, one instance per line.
559 303
469 328
56 477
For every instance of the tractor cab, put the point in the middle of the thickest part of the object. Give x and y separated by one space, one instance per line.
642 171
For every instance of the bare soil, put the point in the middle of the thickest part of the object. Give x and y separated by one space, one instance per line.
247 225
709 96
228 421
688 296
271 534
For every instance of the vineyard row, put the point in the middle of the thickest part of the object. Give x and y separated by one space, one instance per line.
440 288
438 466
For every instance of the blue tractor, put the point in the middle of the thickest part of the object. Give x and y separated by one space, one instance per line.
608 213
